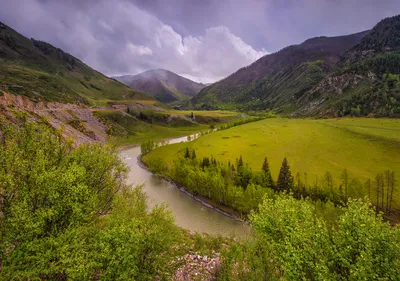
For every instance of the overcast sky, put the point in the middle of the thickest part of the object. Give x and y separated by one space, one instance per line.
204 40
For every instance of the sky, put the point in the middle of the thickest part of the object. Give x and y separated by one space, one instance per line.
203 40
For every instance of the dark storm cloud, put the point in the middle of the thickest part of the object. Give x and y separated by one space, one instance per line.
273 24
203 40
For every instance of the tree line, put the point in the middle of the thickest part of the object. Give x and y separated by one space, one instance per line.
237 186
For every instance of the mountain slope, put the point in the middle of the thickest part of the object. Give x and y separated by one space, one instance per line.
278 80
367 78
41 71
163 85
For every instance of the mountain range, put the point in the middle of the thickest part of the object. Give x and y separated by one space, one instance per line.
356 74
163 85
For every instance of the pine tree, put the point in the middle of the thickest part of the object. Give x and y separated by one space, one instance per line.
368 187
187 153
345 181
285 179
265 165
388 184
205 162
267 172
193 154
328 181
298 181
392 184
379 182
305 181
240 162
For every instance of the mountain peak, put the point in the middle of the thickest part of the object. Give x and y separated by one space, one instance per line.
164 85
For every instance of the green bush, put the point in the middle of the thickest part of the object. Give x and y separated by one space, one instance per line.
293 242
67 213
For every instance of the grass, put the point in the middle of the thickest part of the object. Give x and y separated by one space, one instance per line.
85 86
211 113
126 129
41 71
363 146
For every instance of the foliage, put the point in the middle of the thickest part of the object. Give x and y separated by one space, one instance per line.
218 182
312 147
293 243
240 122
239 188
67 214
148 146
285 178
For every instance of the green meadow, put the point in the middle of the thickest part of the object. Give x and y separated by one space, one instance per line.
128 129
365 147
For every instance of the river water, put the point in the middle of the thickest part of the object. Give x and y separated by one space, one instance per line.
188 213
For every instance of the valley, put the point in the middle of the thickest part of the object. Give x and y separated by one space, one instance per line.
285 167
362 146
315 150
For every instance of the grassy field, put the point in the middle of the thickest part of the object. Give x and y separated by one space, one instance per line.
127 129
211 113
363 146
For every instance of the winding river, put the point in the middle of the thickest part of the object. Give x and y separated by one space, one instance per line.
188 212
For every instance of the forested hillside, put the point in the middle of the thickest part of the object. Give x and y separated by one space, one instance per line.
366 80
278 80
356 75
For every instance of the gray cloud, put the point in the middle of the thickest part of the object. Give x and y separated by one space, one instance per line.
273 24
118 37
203 40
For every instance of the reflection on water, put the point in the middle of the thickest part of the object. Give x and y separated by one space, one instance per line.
188 213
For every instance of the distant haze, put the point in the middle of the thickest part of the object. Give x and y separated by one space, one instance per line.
163 85
204 41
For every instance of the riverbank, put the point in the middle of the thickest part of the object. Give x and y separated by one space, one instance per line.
205 202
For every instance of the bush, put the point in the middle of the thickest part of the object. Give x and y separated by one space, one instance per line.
305 246
68 214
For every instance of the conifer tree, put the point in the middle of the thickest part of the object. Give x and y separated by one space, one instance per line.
193 154
240 162
345 180
379 182
392 184
285 179
368 187
328 179
267 172
187 153
298 181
